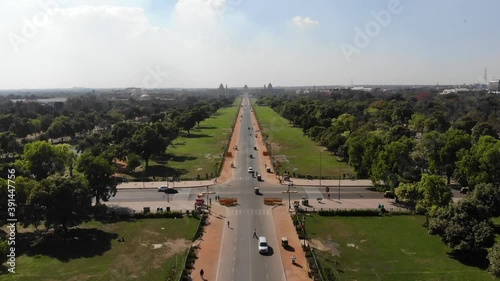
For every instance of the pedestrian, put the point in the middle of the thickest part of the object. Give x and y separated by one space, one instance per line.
255 233
328 196
228 224
202 272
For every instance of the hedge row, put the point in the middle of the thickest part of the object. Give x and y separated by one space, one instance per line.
363 213
168 215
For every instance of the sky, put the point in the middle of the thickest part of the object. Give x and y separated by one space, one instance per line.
202 43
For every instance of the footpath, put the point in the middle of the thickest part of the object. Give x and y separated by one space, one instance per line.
156 184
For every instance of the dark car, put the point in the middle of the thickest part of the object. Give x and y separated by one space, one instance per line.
168 190
389 194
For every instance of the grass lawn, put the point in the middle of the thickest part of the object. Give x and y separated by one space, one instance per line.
97 255
386 248
200 153
296 152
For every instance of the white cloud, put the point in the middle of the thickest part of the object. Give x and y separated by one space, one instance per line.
304 22
207 42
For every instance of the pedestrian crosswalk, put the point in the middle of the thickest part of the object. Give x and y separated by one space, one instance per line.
242 212
313 192
241 178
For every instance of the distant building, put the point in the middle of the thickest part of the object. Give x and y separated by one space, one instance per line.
454 91
494 85
145 97
361 89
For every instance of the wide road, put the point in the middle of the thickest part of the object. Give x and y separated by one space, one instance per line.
239 257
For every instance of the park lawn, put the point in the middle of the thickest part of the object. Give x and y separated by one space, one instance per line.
386 248
296 152
201 153
107 259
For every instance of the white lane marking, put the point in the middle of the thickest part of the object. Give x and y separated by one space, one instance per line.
220 252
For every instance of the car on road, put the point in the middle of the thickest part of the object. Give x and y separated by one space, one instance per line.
389 194
263 248
250 170
166 189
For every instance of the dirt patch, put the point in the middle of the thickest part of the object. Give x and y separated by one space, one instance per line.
177 246
326 246
151 254
120 167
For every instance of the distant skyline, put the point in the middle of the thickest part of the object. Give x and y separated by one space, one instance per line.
201 43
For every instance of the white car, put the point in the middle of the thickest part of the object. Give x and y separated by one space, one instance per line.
162 188
250 170
263 248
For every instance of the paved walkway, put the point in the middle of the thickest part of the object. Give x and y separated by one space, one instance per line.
227 170
332 183
285 228
210 245
156 184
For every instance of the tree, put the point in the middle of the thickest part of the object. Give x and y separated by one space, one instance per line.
489 197
417 122
68 155
147 141
454 141
434 193
345 122
394 164
41 159
186 121
123 130
60 127
494 259
480 164
8 142
200 113
408 193
99 174
62 202
465 225
133 161
4 250
483 129
363 150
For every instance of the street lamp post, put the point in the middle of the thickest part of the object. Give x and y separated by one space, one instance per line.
304 228
207 195
340 176
289 205
320 167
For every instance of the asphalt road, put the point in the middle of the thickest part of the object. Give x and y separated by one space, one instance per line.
239 258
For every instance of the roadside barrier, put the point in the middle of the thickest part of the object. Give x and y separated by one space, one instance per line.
228 201
273 201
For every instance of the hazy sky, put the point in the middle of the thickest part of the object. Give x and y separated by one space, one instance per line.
201 43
